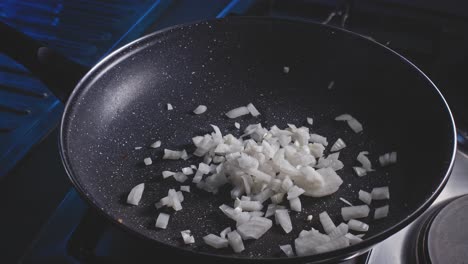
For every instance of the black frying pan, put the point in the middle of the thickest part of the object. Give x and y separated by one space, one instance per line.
121 104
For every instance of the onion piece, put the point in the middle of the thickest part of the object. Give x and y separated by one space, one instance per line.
253 111
185 188
248 205
156 144
135 194
200 109
335 244
294 192
254 228
309 218
310 121
362 158
287 249
282 218
345 201
169 107
338 145
286 69
388 159
381 212
187 171
176 205
360 171
365 197
180 177
315 138
340 230
327 222
308 241
331 183
167 174
357 225
277 198
380 193
353 239
137 148
359 211
235 241
237 112
352 122
187 237
148 161
225 232
344 117
215 241
174 154
162 220
295 204
236 125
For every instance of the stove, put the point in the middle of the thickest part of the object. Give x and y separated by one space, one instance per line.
432 35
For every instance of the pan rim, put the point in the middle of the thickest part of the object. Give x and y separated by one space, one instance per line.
342 254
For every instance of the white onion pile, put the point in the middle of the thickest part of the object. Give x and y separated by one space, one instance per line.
274 166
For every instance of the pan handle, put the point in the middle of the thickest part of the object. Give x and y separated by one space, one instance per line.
57 72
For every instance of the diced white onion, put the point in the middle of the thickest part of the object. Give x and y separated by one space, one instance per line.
237 112
365 197
135 194
248 205
180 177
335 244
340 230
315 138
294 192
156 144
167 174
352 122
295 204
236 125
345 201
225 232
174 154
327 222
235 241
162 220
148 161
200 109
277 198
310 121
169 107
187 171
309 218
362 158
357 225
254 228
215 241
388 159
137 148
360 171
338 145
359 211
380 193
282 217
381 212
287 249
353 239
253 111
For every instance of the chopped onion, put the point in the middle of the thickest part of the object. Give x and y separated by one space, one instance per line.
237 112
308 241
169 107
345 201
174 197
248 205
353 239
357 225
235 241
187 237
380 193
135 194
215 241
174 154
310 121
335 244
200 109
254 228
309 218
187 171
185 188
388 159
237 125
365 197
359 211
148 161
360 171
362 158
338 145
277 198
180 177
162 220
331 183
295 204
287 249
156 144
294 192
340 230
286 69
225 232
352 122
315 138
381 212
137 148
316 149
327 222
282 217
253 111
167 174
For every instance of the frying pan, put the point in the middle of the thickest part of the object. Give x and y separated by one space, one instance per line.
121 103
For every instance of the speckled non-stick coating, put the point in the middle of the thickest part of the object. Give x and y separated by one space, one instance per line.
223 64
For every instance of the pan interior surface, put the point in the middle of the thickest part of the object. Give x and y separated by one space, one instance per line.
223 64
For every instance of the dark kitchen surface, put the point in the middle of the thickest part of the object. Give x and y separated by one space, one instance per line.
44 220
